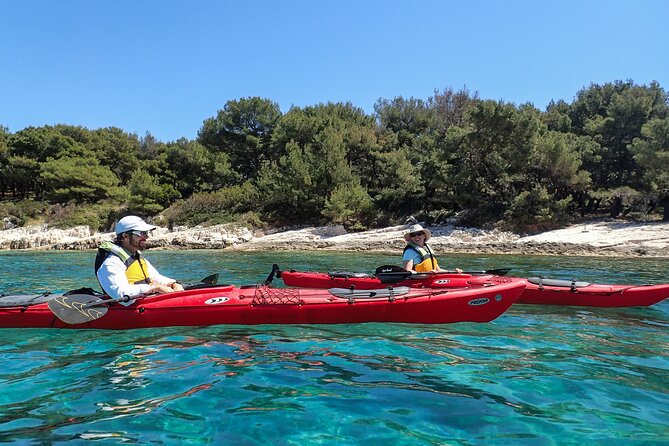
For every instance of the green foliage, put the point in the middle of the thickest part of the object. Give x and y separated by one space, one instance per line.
408 118
193 168
232 204
536 210
557 117
117 150
302 126
491 158
397 184
147 195
452 154
651 152
557 162
350 205
292 191
613 115
450 108
96 216
243 131
81 180
21 212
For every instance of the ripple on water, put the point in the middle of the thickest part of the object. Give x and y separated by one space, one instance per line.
536 375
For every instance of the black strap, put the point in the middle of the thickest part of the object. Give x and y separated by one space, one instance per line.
100 258
146 277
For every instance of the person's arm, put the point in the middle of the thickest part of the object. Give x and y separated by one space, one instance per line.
409 259
162 284
457 270
114 282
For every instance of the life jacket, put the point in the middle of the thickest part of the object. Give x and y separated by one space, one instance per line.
427 260
135 267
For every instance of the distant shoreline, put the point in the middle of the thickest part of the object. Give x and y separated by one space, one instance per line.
602 238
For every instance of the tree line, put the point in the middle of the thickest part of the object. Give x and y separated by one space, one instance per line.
454 154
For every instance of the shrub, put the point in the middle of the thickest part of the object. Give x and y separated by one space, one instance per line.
229 205
22 212
536 210
96 216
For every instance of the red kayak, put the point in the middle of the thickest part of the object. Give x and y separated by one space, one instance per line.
538 291
362 281
264 305
567 292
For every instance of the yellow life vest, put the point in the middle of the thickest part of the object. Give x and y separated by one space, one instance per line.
136 268
427 260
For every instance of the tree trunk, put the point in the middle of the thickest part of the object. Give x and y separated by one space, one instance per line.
664 201
616 207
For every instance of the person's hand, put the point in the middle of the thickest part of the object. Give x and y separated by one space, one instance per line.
176 286
158 288
458 270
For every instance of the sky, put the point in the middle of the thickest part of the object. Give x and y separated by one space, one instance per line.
164 66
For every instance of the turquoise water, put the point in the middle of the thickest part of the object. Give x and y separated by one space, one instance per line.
535 376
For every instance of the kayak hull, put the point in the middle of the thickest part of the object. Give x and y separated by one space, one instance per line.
264 305
593 294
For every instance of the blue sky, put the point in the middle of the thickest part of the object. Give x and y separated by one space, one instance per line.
165 66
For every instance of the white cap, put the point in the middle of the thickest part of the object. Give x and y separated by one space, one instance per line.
132 223
417 228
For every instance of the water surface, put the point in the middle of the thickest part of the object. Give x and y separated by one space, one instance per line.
535 376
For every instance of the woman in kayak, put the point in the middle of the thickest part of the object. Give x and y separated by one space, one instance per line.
122 270
418 255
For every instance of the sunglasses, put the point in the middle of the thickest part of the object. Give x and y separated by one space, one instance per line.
416 234
140 233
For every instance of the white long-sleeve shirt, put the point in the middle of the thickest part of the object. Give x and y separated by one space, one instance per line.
114 282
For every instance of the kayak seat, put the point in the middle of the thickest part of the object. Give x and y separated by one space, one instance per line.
573 284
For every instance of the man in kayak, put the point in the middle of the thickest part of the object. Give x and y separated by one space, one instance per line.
122 270
418 255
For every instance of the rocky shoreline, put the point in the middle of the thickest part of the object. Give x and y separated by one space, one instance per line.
598 238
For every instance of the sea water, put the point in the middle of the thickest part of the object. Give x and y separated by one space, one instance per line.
537 375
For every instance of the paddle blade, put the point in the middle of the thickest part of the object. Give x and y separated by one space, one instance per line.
385 269
207 282
275 271
392 274
210 280
78 308
499 271
496 272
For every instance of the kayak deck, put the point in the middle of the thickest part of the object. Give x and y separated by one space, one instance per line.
361 281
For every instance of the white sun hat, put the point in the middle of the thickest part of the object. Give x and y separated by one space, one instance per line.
417 228
132 223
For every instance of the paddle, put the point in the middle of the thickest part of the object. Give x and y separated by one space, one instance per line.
496 272
80 308
393 273
208 281
275 270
